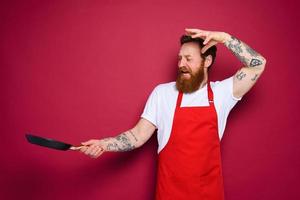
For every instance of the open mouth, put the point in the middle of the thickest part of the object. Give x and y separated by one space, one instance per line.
184 72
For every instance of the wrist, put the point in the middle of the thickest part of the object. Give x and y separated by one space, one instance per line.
105 142
227 38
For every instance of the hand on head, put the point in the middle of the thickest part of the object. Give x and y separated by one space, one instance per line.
210 38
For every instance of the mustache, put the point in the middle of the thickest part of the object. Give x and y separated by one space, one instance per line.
184 70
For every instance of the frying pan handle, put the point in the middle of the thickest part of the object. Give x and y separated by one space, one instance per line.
76 148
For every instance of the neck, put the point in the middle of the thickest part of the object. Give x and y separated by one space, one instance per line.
205 79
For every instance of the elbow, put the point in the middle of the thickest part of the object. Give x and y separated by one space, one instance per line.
136 137
264 61
140 143
262 66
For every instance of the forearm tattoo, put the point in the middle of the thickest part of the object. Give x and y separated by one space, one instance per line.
255 77
244 53
133 135
121 142
240 75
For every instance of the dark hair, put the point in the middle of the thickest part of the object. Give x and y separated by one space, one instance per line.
211 51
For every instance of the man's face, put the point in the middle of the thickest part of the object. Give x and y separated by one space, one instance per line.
190 68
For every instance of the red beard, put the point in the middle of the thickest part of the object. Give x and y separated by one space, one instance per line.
191 84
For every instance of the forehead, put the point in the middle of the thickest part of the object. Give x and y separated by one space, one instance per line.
190 48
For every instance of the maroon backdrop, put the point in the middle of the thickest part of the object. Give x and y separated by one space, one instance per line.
75 70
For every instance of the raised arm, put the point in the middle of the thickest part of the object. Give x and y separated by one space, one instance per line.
125 141
254 63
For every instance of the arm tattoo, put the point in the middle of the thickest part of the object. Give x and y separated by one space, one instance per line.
240 75
234 45
133 135
255 77
120 143
112 147
251 51
244 53
125 142
254 62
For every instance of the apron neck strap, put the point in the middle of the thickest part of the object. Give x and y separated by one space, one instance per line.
210 95
179 98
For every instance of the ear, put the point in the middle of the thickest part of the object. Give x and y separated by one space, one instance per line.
207 61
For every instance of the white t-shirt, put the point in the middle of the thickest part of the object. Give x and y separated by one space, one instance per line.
161 104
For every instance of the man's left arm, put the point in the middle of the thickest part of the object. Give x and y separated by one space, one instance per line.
254 63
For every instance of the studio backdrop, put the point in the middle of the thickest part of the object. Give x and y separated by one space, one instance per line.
79 70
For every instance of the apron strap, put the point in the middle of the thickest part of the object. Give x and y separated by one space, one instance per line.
179 98
210 93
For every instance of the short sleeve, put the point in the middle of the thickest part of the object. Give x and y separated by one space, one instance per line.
151 108
224 101
224 89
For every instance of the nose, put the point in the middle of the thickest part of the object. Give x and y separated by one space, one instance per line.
181 63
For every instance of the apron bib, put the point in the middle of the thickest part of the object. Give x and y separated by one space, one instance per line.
189 166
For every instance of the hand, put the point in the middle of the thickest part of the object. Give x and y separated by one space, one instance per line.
93 148
210 37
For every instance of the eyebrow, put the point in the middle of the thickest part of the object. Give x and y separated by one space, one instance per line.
184 55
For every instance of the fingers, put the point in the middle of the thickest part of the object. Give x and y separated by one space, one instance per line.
89 142
207 39
206 35
98 153
193 30
194 33
207 46
199 35
83 149
94 150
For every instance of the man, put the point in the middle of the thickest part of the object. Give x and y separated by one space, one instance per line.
190 115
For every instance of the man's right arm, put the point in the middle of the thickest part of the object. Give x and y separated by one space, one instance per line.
126 141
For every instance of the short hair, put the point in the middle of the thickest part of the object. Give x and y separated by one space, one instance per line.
211 51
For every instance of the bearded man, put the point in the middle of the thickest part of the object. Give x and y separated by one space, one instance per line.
190 117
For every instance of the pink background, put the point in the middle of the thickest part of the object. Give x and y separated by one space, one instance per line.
75 70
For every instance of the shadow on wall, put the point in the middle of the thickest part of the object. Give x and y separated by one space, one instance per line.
36 180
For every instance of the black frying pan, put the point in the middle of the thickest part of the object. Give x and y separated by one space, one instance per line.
50 143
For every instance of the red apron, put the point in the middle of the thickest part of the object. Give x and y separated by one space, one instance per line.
189 166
